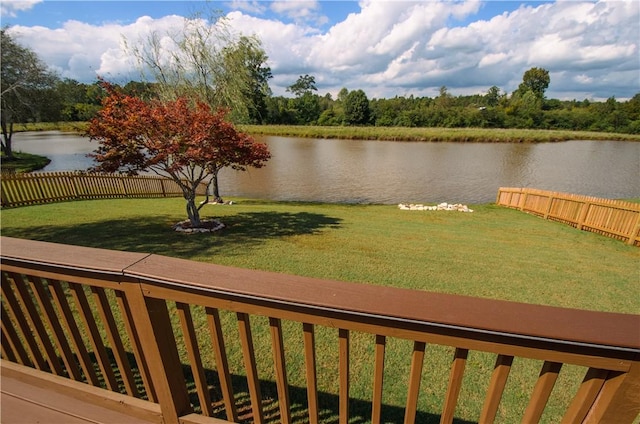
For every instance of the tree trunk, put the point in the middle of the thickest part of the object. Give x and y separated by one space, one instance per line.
7 133
216 190
193 212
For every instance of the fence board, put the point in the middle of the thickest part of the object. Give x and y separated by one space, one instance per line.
612 218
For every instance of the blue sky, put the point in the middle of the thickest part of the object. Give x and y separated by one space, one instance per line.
53 13
385 47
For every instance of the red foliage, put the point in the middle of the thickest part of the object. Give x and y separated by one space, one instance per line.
186 143
172 138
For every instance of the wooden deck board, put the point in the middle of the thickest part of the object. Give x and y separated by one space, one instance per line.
23 402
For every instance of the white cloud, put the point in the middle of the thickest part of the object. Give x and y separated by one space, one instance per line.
11 7
256 7
393 48
300 11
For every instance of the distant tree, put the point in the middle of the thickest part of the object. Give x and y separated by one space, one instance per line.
23 80
174 139
303 85
493 96
306 103
535 80
206 63
342 94
247 55
444 99
356 108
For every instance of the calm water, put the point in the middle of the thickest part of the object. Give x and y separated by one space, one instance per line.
356 171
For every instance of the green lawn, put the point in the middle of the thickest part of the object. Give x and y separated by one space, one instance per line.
493 252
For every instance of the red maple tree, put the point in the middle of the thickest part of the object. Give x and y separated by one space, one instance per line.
186 143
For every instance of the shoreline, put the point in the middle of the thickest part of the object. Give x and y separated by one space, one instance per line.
430 134
417 134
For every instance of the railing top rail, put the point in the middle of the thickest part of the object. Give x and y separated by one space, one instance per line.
560 325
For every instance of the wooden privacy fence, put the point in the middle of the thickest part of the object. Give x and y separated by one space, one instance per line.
612 218
46 187
65 307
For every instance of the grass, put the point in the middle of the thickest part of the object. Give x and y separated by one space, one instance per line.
494 252
495 135
23 162
434 134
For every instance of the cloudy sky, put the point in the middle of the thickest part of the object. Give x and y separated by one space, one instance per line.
384 47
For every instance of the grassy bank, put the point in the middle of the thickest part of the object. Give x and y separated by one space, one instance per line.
493 252
77 127
23 162
435 134
491 135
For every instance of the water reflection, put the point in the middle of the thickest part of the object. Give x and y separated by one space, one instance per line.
358 171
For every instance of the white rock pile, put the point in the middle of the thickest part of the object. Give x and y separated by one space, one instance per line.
441 207
208 226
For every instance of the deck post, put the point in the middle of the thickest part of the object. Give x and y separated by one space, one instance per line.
152 320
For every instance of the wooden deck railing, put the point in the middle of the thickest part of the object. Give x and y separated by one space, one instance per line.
123 321
46 187
612 218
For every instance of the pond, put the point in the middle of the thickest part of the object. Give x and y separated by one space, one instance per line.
363 171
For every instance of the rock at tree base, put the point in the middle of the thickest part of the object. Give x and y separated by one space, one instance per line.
206 226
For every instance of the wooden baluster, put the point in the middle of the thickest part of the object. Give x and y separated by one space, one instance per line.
136 344
541 392
343 336
10 336
248 354
95 339
60 299
455 384
25 332
417 358
277 344
195 359
310 366
34 319
378 380
113 336
53 321
496 388
6 349
222 365
586 396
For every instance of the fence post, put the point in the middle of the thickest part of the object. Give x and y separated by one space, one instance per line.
151 318
523 199
583 214
634 231
548 208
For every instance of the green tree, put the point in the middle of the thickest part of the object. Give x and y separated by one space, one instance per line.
535 80
248 55
23 79
208 64
493 96
304 85
306 104
356 108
